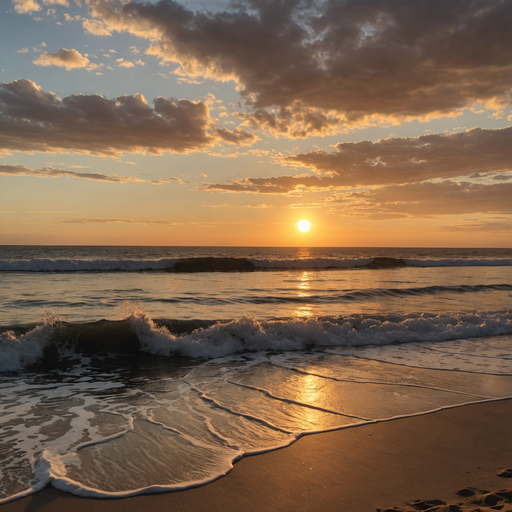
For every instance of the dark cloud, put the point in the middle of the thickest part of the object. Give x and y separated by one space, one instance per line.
236 136
406 160
52 172
289 185
427 200
34 120
478 152
360 58
294 122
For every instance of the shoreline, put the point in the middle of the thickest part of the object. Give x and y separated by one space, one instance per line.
380 465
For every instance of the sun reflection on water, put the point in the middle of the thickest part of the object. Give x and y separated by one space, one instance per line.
303 290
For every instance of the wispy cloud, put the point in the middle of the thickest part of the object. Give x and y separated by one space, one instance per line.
63 3
96 28
120 221
426 200
479 227
52 172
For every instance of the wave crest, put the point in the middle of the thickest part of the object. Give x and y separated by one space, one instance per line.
20 350
249 334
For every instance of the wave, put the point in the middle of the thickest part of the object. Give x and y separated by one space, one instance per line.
103 265
500 262
355 295
212 339
231 264
20 350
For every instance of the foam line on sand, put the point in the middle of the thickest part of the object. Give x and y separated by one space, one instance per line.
383 465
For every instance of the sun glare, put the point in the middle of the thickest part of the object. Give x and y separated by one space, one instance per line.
304 225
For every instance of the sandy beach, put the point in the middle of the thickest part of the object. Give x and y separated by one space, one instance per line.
422 461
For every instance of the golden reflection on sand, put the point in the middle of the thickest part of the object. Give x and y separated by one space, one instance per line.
309 392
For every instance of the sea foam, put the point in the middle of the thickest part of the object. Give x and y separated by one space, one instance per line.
18 351
245 334
249 334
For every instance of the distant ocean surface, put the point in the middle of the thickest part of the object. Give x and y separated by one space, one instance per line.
126 370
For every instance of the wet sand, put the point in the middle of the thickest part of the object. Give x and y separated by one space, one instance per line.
401 464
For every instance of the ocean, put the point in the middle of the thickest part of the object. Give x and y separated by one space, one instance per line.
129 370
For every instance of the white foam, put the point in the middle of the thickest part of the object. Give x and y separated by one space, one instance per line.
248 334
65 265
17 351
312 263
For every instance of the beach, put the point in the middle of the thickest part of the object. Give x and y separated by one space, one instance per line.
384 465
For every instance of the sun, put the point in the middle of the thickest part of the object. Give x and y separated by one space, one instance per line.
304 225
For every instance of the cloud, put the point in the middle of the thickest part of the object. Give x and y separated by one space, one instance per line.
479 152
34 120
52 172
230 205
69 59
120 221
64 3
406 160
124 63
297 121
23 6
96 28
377 59
166 181
287 185
482 227
236 136
427 200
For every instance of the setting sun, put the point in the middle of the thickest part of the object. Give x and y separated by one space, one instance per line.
304 225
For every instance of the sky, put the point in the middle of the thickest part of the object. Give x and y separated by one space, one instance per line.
384 123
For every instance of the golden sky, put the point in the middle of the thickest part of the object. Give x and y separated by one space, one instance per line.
383 123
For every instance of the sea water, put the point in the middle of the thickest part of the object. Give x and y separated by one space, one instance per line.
120 375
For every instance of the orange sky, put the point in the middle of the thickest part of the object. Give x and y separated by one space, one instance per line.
204 123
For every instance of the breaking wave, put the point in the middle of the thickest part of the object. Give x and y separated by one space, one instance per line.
210 339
